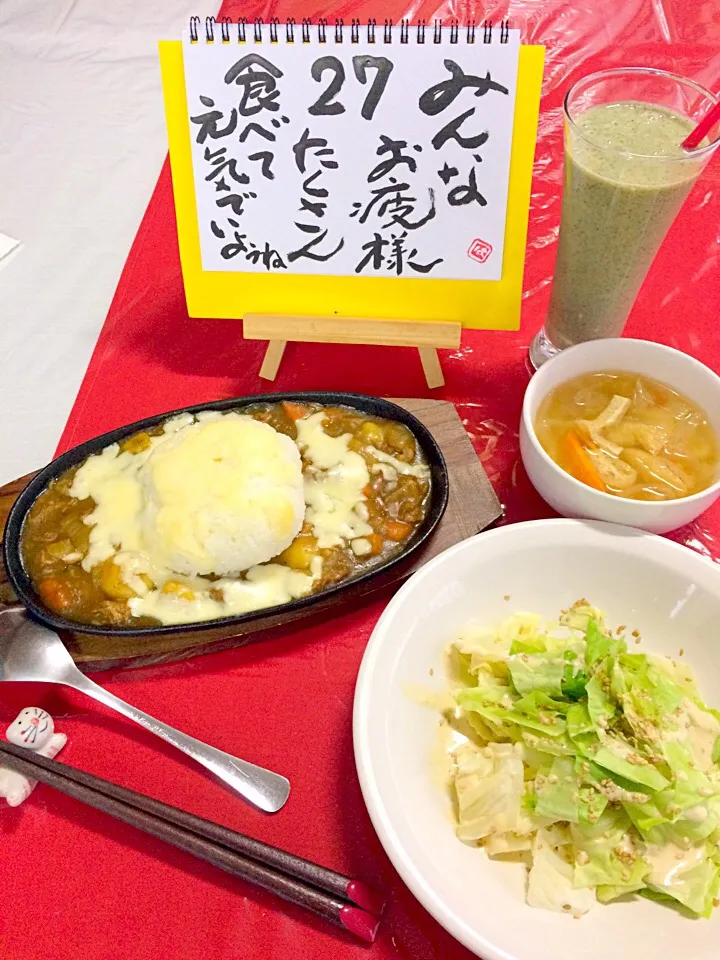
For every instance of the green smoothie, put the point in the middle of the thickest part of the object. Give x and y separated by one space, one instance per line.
626 177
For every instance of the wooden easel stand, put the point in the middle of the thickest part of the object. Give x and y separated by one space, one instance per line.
426 336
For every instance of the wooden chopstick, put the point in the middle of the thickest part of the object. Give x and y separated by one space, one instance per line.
220 846
345 888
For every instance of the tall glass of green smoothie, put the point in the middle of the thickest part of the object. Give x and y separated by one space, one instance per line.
626 177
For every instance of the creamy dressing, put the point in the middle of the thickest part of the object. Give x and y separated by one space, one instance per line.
441 756
442 759
439 701
621 748
697 729
669 862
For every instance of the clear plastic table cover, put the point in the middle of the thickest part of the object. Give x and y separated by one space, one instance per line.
289 700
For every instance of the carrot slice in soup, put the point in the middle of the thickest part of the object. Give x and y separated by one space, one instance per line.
578 463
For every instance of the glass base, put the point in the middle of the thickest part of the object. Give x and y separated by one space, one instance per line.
542 349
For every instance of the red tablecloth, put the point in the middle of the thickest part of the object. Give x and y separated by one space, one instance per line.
76 884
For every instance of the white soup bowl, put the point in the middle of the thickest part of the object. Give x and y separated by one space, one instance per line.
571 498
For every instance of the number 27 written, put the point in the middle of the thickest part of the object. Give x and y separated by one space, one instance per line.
325 105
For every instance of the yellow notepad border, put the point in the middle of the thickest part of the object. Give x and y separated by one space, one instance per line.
486 304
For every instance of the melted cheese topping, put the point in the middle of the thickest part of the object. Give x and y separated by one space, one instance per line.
404 469
217 496
268 585
334 490
111 479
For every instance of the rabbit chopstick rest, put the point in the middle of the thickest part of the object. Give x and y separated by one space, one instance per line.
34 729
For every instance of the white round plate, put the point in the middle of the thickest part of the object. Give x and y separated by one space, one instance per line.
670 594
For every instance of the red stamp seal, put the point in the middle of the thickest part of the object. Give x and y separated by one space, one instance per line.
479 250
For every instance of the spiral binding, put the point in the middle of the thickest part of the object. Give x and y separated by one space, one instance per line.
252 32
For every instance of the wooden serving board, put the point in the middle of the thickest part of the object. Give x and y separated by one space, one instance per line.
472 507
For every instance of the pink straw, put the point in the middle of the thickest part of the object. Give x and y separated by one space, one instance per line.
702 129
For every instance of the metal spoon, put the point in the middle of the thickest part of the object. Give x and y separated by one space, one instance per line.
29 651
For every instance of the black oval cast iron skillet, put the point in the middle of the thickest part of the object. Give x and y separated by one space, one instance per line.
372 406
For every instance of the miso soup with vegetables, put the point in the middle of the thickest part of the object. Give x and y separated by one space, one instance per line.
628 435
222 513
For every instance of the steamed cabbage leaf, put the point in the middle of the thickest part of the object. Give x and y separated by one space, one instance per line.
490 785
595 766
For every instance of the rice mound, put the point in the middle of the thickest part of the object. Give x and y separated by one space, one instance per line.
222 496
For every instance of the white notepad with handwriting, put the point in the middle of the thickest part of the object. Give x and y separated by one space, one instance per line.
385 159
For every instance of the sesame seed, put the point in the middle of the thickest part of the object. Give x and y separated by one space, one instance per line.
625 856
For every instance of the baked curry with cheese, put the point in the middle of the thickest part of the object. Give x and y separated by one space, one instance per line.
222 513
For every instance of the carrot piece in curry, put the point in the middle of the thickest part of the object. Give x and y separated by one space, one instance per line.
376 542
296 411
55 594
397 530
